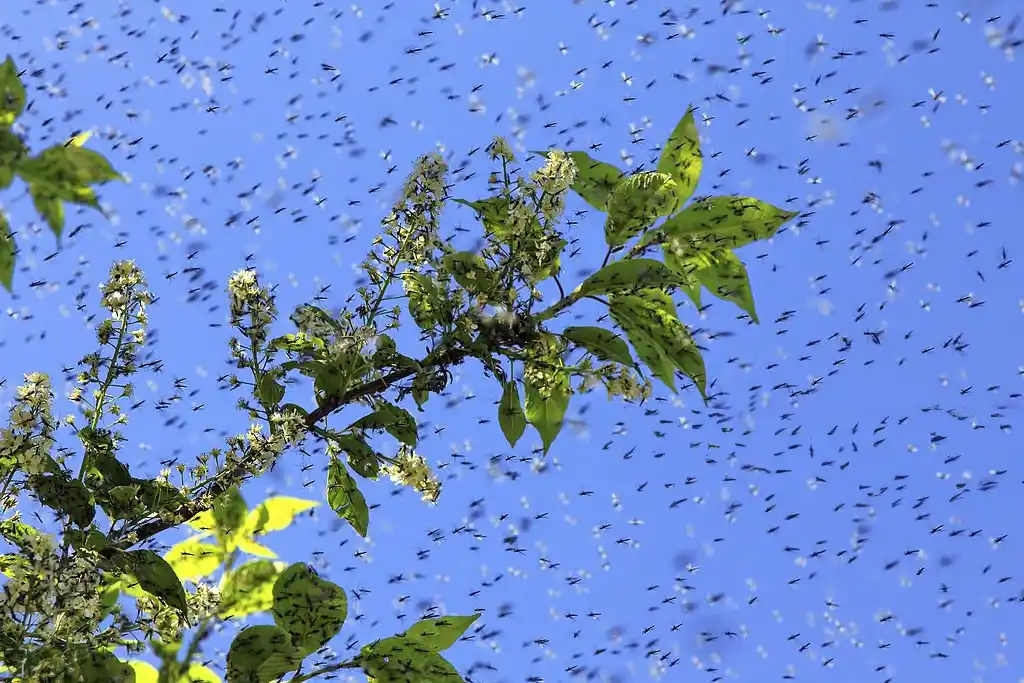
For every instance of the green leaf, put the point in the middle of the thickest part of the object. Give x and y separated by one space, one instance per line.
361 458
719 223
403 660
595 179
681 266
441 633
603 343
425 299
398 422
727 279
275 513
492 212
269 390
660 339
249 589
155 576
65 495
636 203
259 654
312 610
12 93
620 276
229 511
101 666
7 252
299 342
44 199
159 496
681 157
68 167
471 271
18 534
510 414
192 559
345 498
546 405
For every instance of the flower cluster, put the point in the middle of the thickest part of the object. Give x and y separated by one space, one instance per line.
409 469
29 438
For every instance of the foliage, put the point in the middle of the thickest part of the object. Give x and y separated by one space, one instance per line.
64 173
484 306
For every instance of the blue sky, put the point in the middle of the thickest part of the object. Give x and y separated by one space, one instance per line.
898 148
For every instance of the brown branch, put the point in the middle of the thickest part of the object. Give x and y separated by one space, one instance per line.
230 477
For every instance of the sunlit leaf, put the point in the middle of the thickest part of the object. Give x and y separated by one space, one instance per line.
471 271
197 673
249 589
636 203
727 279
726 222
229 512
144 671
12 93
312 610
46 203
511 417
603 343
620 276
276 513
663 343
441 633
192 559
681 157
248 545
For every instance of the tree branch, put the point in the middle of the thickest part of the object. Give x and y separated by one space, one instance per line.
234 475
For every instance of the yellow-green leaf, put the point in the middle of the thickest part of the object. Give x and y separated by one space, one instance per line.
144 671
471 271
276 513
192 559
12 93
249 589
247 545
440 633
45 201
7 252
636 203
637 273
727 279
681 157
603 343
650 321
197 673
510 414
719 223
